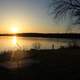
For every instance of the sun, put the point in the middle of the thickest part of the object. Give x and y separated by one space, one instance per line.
14 29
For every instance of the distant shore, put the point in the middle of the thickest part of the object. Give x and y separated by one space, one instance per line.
46 35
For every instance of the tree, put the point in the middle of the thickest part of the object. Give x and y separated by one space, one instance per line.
66 8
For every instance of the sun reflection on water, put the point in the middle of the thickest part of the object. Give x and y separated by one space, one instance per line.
14 40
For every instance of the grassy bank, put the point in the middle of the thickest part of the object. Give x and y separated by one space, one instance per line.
63 63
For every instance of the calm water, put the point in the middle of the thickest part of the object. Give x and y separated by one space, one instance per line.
12 43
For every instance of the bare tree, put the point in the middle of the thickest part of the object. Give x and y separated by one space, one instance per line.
66 8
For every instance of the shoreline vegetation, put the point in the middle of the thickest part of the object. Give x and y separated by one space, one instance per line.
42 64
46 35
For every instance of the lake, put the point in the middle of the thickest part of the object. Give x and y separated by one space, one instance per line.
14 42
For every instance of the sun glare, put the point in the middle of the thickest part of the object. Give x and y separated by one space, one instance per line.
14 29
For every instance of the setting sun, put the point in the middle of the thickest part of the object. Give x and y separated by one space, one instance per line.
14 29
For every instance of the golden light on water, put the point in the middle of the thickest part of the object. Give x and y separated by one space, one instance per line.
14 40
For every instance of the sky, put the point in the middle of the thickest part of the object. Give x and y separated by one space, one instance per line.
27 16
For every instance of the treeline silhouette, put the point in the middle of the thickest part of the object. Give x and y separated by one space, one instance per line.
46 35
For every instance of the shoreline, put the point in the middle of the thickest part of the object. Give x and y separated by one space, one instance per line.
47 35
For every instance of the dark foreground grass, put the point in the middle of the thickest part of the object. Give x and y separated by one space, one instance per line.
60 64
